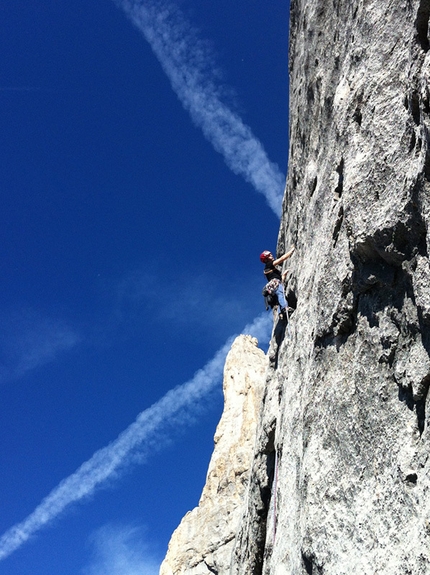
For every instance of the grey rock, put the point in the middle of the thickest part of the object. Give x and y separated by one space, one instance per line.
352 437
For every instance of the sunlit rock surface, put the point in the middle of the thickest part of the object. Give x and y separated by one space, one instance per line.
203 542
340 478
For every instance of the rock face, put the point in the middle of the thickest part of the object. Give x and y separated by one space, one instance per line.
340 477
203 542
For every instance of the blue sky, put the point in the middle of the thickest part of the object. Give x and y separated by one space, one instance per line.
144 148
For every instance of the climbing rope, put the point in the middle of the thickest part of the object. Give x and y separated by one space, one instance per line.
288 322
274 489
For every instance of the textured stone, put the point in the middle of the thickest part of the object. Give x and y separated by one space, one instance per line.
353 488
203 541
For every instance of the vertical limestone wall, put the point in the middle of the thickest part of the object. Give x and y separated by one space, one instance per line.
351 432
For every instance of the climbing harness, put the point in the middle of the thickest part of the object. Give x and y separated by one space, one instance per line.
269 293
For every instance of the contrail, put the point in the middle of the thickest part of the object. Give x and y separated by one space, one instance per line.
187 62
173 408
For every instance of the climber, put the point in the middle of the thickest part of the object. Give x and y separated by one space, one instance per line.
275 278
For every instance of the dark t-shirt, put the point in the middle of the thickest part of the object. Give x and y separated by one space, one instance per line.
272 272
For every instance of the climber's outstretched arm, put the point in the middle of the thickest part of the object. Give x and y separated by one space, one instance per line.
285 256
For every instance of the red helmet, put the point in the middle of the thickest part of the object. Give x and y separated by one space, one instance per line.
265 256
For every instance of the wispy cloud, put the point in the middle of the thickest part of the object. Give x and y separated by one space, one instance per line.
201 302
29 339
174 409
188 63
121 550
